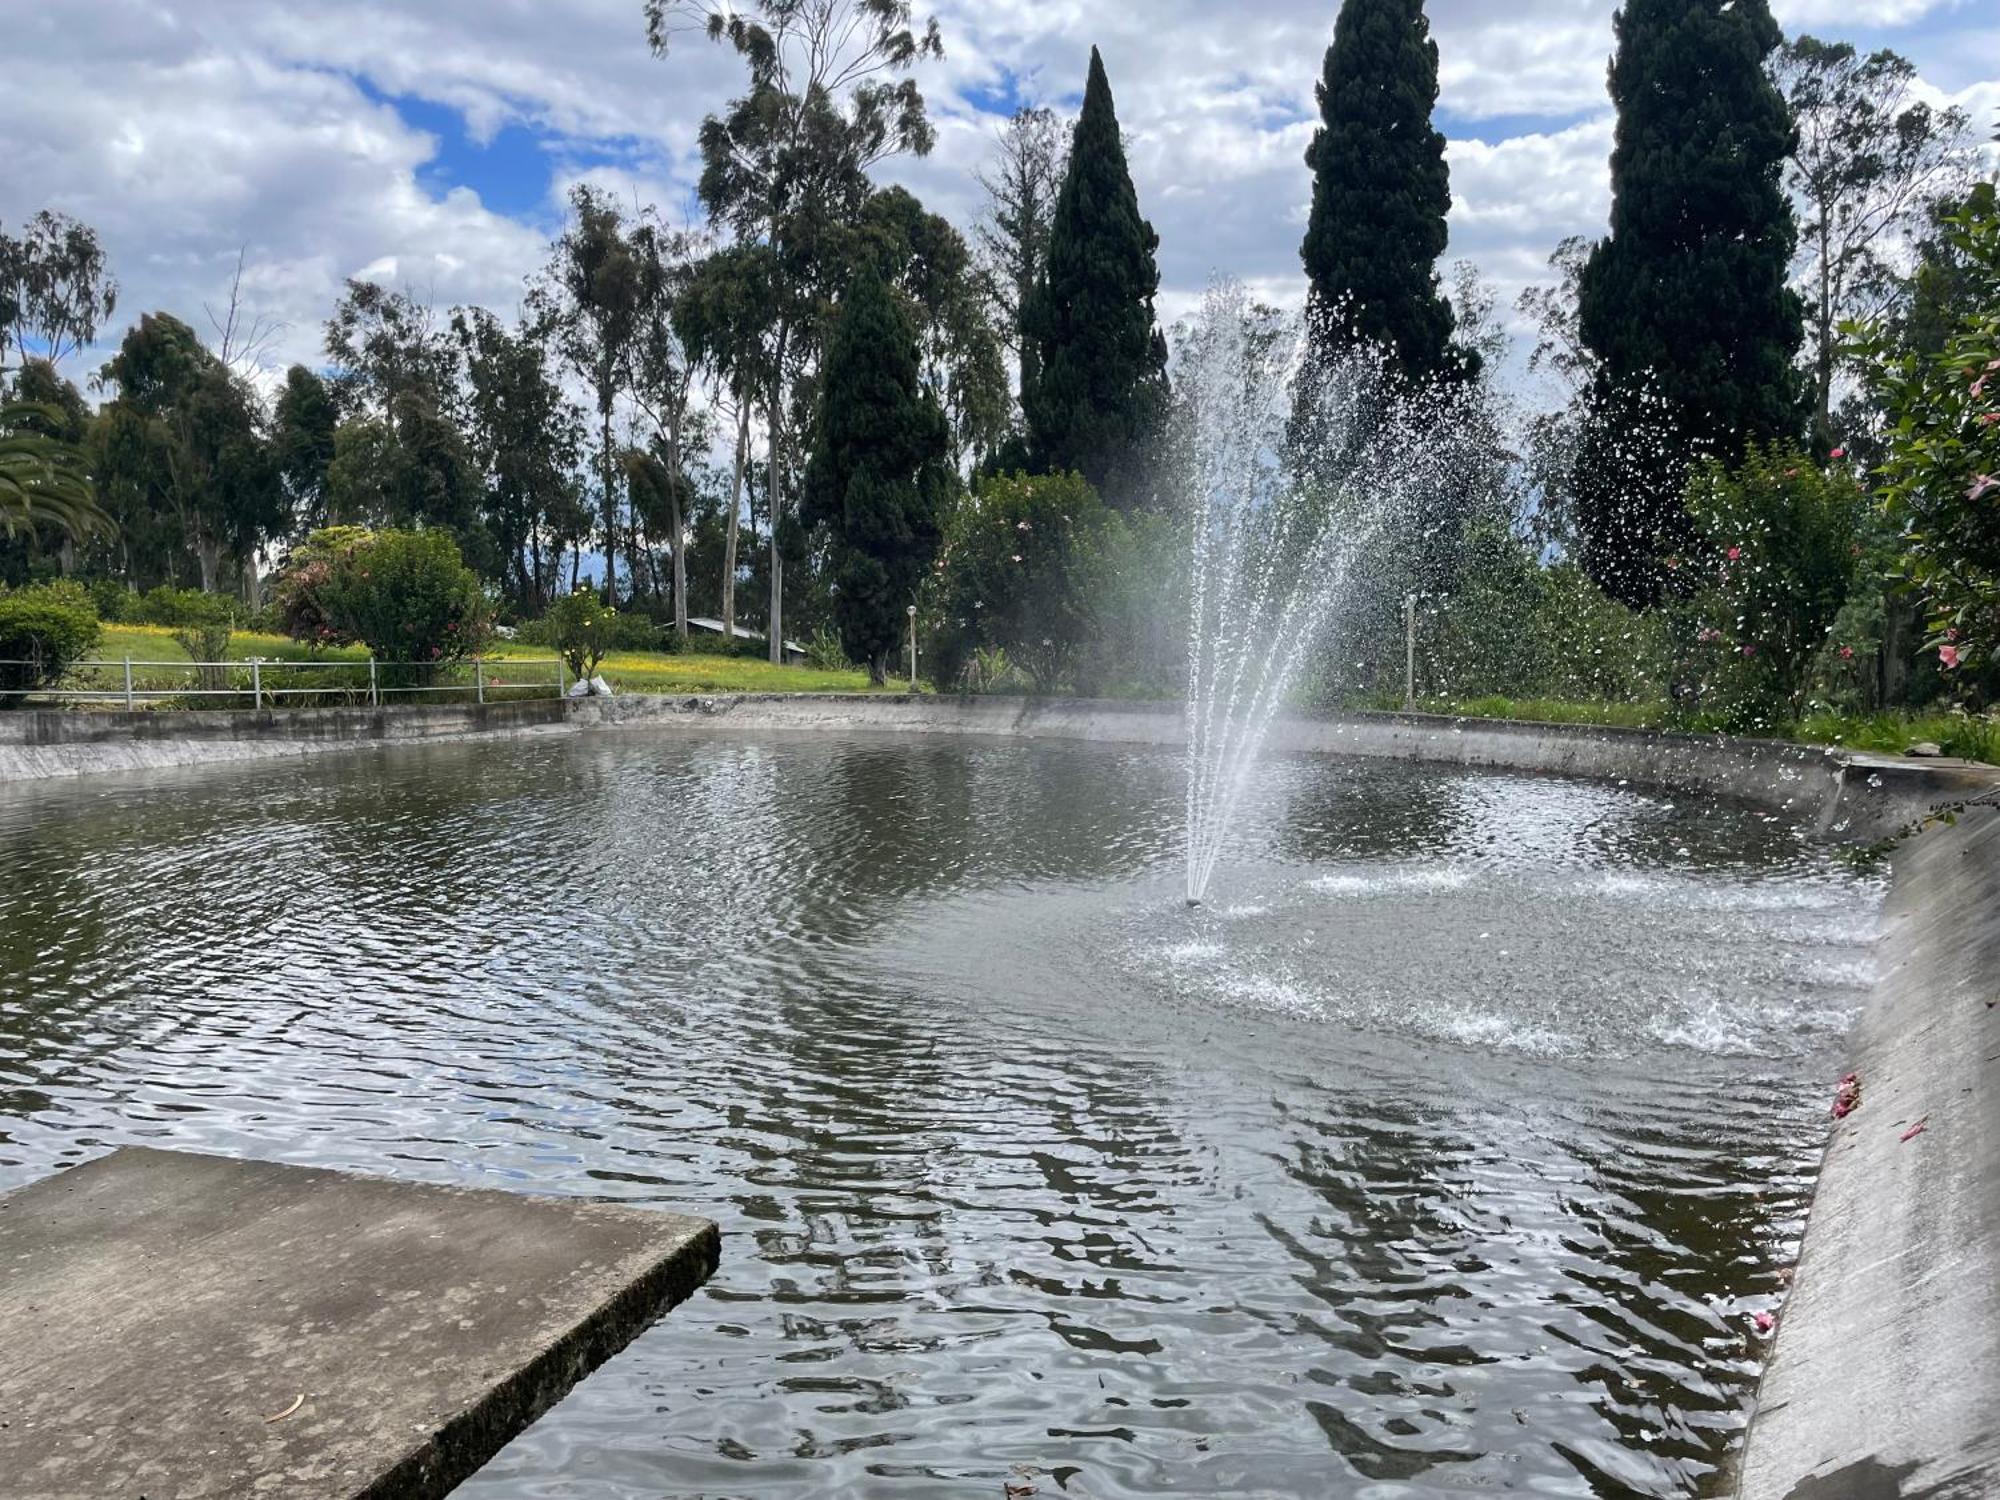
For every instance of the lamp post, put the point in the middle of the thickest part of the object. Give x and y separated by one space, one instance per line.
911 610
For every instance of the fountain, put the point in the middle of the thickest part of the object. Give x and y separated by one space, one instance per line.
1295 474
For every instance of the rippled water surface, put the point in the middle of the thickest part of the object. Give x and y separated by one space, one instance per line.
1452 1149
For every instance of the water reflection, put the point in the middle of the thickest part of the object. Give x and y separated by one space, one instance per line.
1450 1150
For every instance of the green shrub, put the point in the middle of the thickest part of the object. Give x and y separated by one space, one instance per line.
406 595
114 602
202 624
1027 567
44 630
824 651
581 627
1517 628
1776 561
1940 471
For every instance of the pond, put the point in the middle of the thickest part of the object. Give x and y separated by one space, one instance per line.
1453 1146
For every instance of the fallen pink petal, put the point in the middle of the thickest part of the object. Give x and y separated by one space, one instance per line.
1917 1129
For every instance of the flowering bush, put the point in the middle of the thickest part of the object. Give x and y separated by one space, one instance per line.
1025 568
1939 478
1776 561
406 595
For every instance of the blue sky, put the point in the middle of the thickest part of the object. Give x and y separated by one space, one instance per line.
430 142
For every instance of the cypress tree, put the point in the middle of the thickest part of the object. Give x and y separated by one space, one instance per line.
879 474
1686 307
1101 392
1381 192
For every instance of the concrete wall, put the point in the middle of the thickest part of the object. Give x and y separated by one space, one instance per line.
1842 792
40 743
1884 1380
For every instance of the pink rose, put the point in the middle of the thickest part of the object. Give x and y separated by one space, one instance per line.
1949 656
1735 553
1838 453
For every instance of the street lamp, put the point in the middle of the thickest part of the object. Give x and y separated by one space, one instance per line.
912 612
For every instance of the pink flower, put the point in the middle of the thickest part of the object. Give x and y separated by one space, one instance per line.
1949 656
1838 453
1764 1322
1749 650
1847 653
1990 417
1981 483
1735 553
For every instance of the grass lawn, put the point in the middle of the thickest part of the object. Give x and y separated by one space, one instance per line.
1967 736
626 671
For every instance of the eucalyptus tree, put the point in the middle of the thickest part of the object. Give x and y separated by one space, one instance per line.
303 422
1021 180
56 289
190 440
725 322
526 437
1870 160
594 295
785 165
400 456
665 369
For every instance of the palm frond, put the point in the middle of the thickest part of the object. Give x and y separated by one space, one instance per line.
43 481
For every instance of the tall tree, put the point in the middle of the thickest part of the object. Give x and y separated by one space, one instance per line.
302 428
926 260
595 294
1101 392
785 165
400 457
1021 181
724 318
878 479
526 438
1870 160
197 436
55 289
1381 193
1686 306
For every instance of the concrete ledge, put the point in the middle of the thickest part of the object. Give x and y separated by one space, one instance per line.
1884 1381
160 1312
36 744
1841 792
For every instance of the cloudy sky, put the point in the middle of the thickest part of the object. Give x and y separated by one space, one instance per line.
428 143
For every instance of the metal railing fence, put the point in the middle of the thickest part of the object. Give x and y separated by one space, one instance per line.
258 682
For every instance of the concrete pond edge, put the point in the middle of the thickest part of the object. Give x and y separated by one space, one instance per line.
1883 1379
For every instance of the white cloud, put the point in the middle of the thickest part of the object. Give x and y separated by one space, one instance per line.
187 129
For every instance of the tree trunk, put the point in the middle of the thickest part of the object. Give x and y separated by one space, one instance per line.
776 624
208 553
610 506
680 529
729 534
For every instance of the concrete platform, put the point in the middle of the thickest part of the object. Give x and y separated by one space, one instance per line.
161 1313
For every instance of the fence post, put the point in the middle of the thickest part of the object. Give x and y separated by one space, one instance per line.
374 698
128 684
562 678
256 682
479 678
